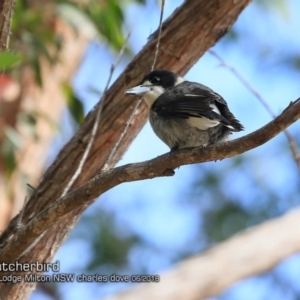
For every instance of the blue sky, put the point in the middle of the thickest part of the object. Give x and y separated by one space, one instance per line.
151 208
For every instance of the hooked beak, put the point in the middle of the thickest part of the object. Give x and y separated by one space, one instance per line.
138 90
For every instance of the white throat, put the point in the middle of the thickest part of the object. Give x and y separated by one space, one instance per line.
151 96
156 91
179 80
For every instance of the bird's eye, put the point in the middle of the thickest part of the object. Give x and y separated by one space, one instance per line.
155 80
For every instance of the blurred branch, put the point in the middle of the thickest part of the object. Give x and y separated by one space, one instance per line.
290 138
250 252
158 167
6 13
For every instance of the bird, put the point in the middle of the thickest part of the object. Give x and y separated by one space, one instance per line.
185 114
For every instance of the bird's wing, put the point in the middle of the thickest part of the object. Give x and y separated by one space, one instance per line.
221 104
188 101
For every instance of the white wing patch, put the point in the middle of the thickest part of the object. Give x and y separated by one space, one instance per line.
204 123
215 109
193 95
179 80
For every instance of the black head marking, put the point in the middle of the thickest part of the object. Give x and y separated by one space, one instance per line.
163 78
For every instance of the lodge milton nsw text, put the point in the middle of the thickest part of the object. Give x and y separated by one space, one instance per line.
33 272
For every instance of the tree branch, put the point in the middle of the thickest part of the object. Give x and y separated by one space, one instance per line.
160 166
6 13
249 252
290 138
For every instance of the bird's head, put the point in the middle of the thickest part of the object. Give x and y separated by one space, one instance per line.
154 84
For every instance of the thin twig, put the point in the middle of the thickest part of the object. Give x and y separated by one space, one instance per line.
97 121
290 138
116 145
159 34
20 224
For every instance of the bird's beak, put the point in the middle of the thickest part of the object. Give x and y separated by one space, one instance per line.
138 90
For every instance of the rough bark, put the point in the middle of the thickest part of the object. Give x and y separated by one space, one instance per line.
250 252
187 34
6 12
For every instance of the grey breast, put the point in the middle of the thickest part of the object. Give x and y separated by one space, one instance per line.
177 132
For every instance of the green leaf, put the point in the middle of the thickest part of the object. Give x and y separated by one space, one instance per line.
76 16
74 104
27 118
8 59
281 7
11 142
37 70
13 136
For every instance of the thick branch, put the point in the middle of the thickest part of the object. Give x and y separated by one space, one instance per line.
160 166
6 13
250 252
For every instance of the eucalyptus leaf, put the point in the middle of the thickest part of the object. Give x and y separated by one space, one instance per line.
74 104
9 59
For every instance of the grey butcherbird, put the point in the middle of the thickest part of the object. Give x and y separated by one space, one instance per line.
183 113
